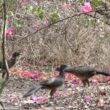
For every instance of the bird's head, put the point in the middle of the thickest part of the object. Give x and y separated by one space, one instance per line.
61 68
15 54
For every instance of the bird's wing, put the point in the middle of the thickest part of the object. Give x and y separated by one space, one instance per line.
80 69
84 69
52 81
103 71
32 90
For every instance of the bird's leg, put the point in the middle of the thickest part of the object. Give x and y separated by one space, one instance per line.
87 81
52 92
84 83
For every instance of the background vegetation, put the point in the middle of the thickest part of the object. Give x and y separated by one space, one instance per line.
48 33
44 38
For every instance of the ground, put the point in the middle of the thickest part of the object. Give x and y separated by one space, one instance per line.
71 96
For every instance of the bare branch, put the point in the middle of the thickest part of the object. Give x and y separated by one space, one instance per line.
6 71
69 17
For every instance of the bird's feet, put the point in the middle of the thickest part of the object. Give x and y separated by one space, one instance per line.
51 98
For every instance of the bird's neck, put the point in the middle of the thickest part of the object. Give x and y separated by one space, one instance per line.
70 70
61 74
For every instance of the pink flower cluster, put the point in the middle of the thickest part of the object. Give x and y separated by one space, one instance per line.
57 94
66 5
86 98
33 75
44 21
86 7
38 99
9 31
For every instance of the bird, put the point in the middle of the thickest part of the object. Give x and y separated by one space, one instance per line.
51 83
10 62
85 72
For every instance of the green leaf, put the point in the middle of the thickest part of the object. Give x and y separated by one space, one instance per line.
54 16
37 11
10 13
29 7
94 4
18 23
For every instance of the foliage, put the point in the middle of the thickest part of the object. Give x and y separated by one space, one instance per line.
69 36
54 16
37 11
94 4
49 33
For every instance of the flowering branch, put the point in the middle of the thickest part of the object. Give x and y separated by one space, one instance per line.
69 17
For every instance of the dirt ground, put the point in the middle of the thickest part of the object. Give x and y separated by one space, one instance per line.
73 96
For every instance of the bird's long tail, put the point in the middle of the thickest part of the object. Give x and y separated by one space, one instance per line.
32 91
103 72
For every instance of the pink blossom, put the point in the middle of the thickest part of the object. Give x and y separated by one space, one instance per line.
34 98
66 5
86 98
39 99
44 21
75 91
94 82
65 94
35 26
57 94
9 31
33 76
74 81
29 74
101 102
36 74
106 79
86 7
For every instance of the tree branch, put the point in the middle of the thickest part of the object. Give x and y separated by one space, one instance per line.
69 17
6 71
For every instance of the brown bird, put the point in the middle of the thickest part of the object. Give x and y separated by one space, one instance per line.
51 83
85 72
